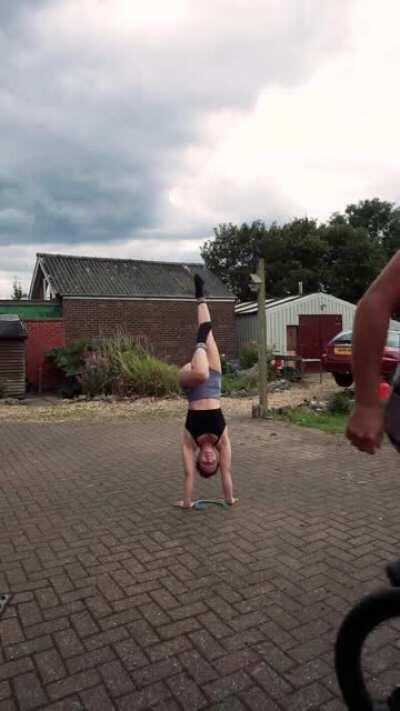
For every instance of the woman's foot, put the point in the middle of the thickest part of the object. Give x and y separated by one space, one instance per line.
198 287
232 501
183 505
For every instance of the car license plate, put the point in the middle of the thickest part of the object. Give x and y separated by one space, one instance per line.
342 350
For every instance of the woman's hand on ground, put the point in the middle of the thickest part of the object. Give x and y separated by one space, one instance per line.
183 504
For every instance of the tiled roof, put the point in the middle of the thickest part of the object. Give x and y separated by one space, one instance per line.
94 276
11 327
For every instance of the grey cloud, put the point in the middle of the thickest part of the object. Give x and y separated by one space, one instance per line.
93 128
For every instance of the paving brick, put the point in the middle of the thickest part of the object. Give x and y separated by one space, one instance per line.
155 672
178 628
34 645
144 699
88 660
232 662
5 690
84 624
104 638
68 643
45 628
206 644
50 665
215 626
11 632
29 691
73 684
143 633
116 678
46 597
199 669
107 580
97 699
164 599
310 697
8 705
130 654
30 613
188 611
168 649
274 684
189 695
258 700
11 669
232 684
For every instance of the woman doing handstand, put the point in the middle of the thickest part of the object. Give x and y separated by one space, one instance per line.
205 442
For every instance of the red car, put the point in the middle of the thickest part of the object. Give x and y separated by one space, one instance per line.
337 357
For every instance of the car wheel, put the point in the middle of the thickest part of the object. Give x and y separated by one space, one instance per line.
343 379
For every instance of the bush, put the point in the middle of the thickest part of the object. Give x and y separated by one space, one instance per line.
341 402
248 355
226 366
142 374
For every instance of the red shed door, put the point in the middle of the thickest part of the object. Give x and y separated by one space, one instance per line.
315 332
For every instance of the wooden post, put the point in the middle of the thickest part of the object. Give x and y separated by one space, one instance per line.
261 409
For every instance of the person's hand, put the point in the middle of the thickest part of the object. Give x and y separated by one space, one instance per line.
365 428
183 504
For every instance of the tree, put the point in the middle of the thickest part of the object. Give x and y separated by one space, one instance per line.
233 254
293 253
352 261
18 293
380 218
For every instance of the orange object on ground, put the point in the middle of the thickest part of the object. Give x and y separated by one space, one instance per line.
384 390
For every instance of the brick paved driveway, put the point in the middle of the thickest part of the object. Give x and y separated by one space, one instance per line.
122 602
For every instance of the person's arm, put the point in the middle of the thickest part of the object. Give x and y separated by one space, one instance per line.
371 323
225 464
188 465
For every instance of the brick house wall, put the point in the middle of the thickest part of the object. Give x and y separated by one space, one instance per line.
169 326
42 336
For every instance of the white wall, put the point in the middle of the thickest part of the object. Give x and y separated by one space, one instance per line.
287 314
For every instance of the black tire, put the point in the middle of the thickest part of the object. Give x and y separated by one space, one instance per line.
343 379
358 624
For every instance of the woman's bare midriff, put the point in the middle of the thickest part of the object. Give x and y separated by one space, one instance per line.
206 404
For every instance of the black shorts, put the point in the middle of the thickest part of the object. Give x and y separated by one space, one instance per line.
199 422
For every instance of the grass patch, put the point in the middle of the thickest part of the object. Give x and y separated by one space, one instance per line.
334 422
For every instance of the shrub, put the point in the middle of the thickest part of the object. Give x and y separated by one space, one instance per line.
142 374
248 355
341 402
69 359
226 366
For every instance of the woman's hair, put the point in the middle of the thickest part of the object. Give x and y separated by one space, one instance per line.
204 474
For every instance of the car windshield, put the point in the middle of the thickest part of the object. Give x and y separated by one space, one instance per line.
344 337
392 340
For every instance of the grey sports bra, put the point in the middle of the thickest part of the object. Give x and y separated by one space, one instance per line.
210 388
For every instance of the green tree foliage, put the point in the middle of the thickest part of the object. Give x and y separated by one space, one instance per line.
293 253
381 220
233 254
352 260
341 257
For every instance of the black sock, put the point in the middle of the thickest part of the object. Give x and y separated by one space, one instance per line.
198 287
203 331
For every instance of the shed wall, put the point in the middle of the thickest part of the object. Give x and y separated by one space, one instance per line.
12 367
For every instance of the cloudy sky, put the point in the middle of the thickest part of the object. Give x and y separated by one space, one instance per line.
132 128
